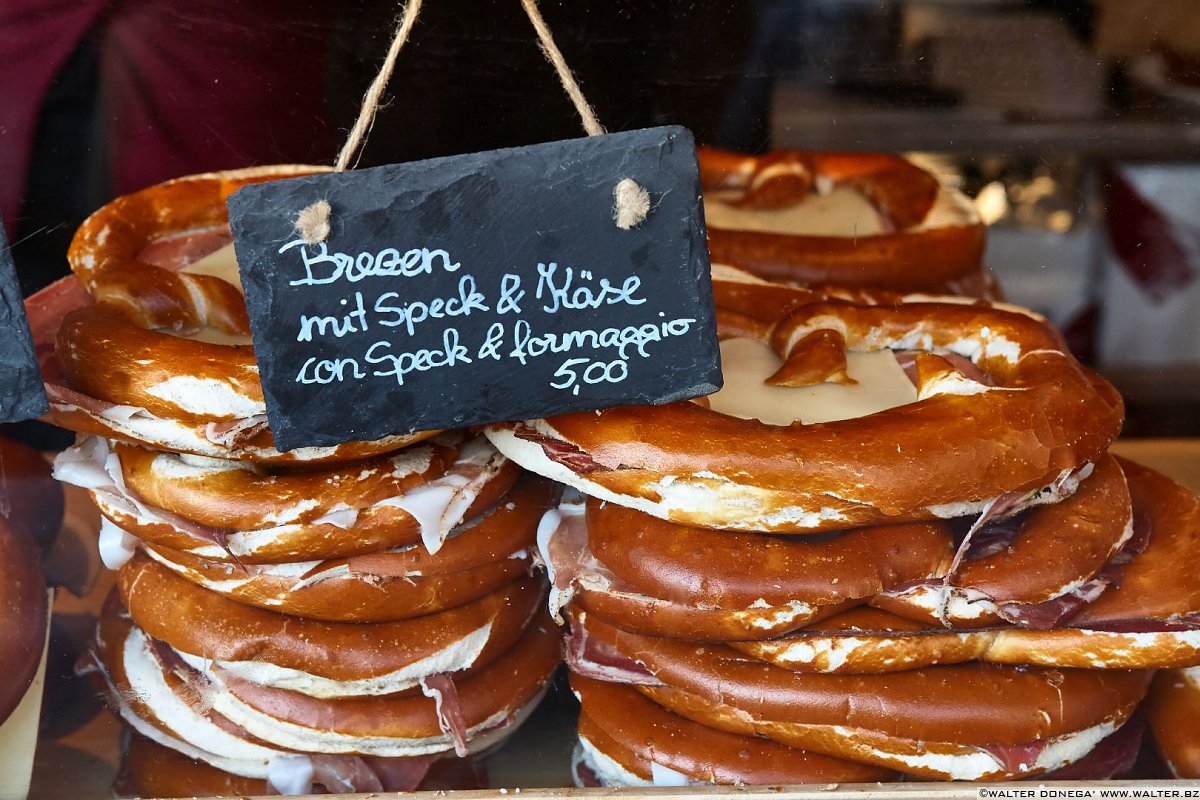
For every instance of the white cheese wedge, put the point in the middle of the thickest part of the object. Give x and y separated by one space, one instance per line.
746 363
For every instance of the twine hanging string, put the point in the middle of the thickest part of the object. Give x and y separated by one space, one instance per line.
312 223
370 104
555 57
631 201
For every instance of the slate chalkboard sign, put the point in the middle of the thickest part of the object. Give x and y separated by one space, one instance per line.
22 393
479 288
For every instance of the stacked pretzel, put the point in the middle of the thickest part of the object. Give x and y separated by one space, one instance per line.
839 219
958 582
339 618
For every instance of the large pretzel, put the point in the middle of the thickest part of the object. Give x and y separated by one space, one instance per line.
488 554
490 702
661 578
1149 618
627 740
153 688
1003 409
126 365
664 579
1045 571
326 658
916 250
971 721
238 513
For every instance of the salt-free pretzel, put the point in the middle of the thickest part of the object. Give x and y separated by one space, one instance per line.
488 701
1149 617
666 579
242 513
1048 569
206 625
154 690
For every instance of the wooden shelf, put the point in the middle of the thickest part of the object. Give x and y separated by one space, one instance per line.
805 119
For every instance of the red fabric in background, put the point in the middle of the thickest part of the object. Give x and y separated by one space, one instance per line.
1153 249
213 84
36 38
186 86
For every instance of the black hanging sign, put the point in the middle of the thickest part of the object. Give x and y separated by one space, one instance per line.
479 288
22 393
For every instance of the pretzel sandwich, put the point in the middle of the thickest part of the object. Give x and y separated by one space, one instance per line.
1003 411
195 388
960 722
896 228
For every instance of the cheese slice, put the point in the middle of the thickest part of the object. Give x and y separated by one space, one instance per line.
219 264
18 734
841 212
746 363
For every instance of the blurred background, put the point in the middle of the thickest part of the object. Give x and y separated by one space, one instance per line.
1072 123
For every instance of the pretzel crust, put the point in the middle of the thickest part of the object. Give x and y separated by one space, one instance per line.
906 257
703 585
516 677
151 770
281 516
106 253
490 701
958 710
204 624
